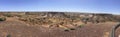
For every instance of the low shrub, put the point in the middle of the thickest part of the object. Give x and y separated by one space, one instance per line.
8 15
72 28
66 30
81 25
8 35
2 18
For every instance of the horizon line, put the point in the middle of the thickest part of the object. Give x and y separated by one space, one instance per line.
68 11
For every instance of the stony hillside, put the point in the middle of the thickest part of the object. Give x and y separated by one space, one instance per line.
57 24
61 19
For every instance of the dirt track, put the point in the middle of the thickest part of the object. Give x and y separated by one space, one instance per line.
20 29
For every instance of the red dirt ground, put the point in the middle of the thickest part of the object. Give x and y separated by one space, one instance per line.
17 28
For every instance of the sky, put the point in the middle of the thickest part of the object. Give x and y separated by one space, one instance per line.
92 6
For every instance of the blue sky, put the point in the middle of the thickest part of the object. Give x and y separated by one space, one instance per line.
93 6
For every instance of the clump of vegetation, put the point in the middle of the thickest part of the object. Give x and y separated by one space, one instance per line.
23 19
81 25
72 28
19 15
84 19
8 35
66 30
69 29
2 18
8 15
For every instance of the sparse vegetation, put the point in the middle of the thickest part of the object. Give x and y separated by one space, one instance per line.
66 30
2 18
8 35
59 19
72 28
32 23
8 15
81 25
19 15
85 20
62 19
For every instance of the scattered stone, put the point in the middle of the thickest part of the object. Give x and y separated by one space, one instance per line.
60 19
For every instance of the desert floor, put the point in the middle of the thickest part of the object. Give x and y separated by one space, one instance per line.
15 28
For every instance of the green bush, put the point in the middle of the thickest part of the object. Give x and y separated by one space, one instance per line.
8 15
2 18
